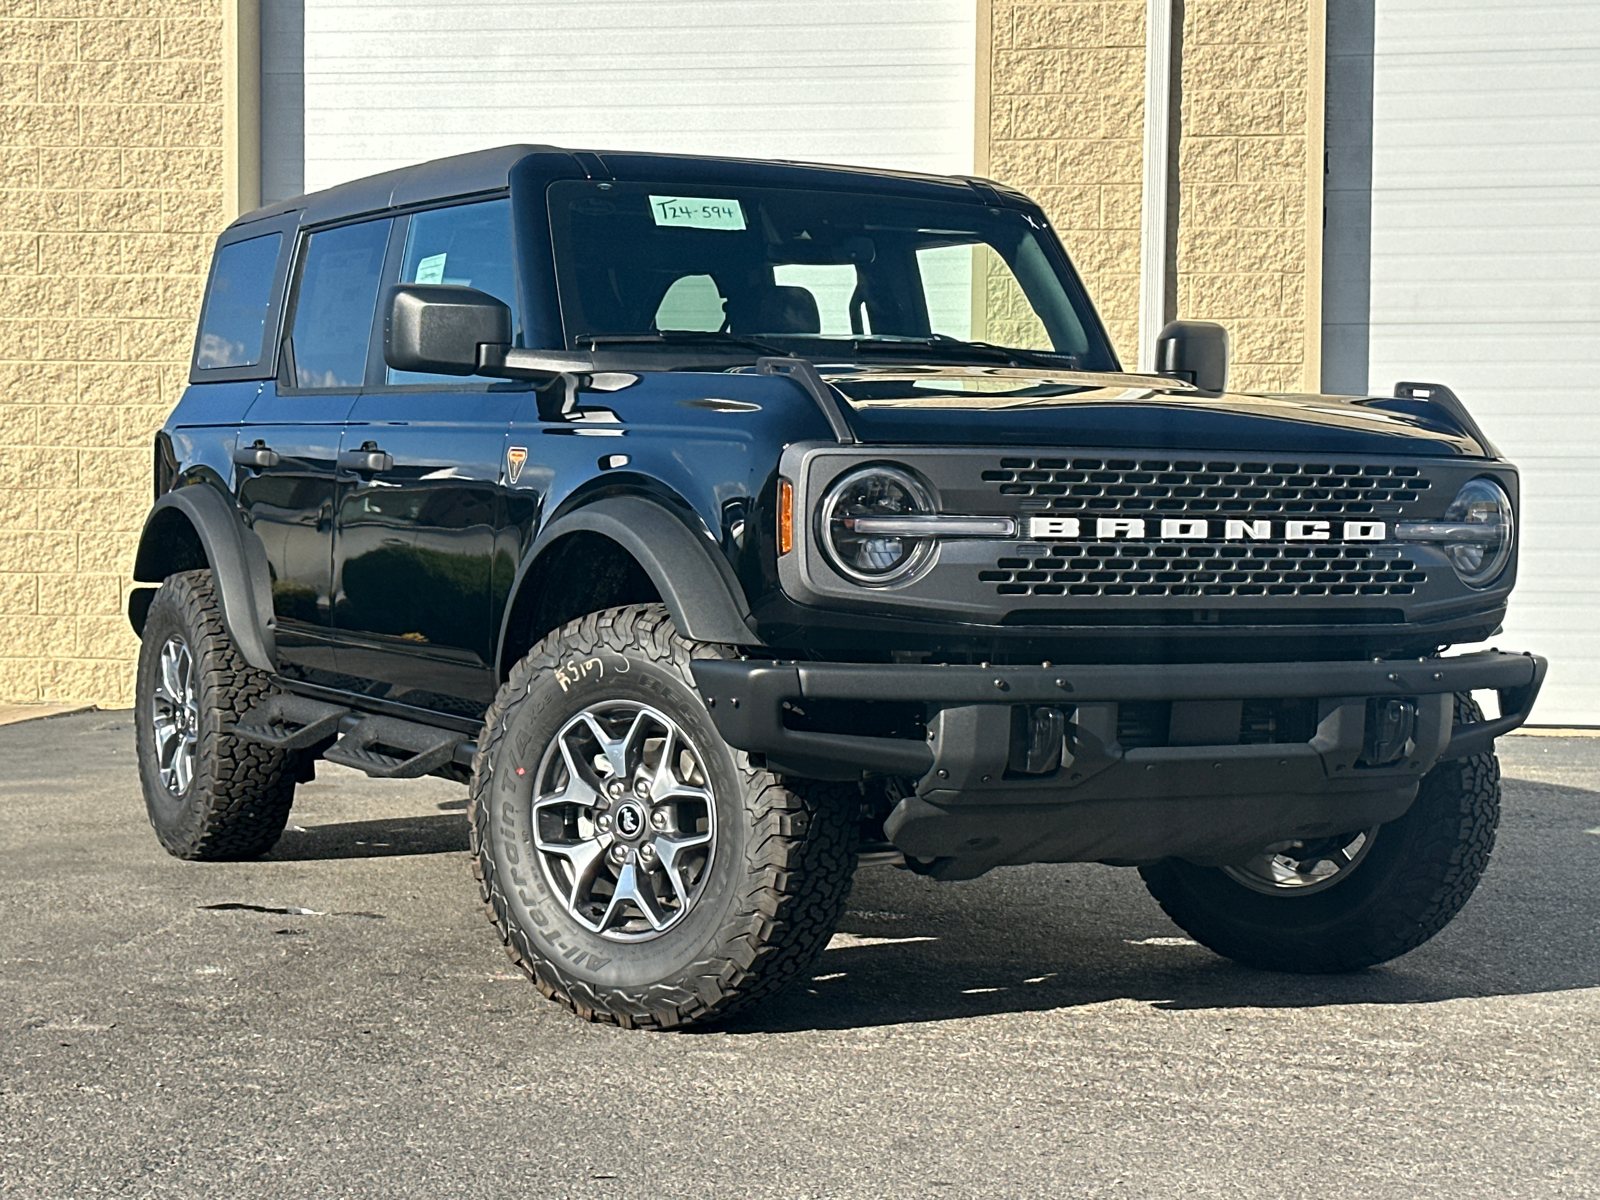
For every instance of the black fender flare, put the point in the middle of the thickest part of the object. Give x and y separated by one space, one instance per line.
690 573
238 562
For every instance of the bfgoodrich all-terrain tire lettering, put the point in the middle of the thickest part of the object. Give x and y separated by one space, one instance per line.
1415 876
210 795
638 869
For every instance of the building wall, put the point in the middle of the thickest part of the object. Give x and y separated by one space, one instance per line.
110 193
1066 125
1242 169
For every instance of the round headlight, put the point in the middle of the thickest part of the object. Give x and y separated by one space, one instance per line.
875 558
1479 560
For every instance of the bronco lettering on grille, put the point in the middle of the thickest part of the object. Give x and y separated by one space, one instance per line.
1188 529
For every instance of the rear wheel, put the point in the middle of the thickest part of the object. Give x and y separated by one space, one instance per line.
640 870
1347 902
210 795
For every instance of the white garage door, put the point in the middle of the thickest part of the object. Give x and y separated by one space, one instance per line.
1485 267
391 82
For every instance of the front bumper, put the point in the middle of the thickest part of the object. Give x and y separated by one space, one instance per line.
1207 794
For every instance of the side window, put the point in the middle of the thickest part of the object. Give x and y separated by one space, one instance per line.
468 245
233 324
973 295
335 303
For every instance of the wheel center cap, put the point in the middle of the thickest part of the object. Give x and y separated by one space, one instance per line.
630 820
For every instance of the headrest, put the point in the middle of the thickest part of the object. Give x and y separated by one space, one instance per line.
789 310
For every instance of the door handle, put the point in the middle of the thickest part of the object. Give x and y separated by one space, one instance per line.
369 460
257 457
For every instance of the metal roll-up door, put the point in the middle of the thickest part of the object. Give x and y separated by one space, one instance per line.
392 82
1463 247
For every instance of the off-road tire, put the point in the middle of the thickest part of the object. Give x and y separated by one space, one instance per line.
775 888
237 802
1420 871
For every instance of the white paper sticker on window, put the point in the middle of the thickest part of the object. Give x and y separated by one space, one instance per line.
431 269
697 212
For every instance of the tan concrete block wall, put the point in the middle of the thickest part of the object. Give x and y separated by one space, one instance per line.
110 194
1242 182
1066 125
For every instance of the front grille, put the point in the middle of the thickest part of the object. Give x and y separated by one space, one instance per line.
1193 487
1198 488
1189 569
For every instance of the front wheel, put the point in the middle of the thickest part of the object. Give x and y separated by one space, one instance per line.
638 869
1347 902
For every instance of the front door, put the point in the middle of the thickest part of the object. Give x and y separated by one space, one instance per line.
418 588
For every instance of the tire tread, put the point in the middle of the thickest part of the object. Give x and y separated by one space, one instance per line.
800 858
1448 855
244 789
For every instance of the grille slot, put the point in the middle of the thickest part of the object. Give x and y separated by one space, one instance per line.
1204 489
1195 569
1199 488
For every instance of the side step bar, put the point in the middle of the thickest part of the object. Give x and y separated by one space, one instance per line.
287 722
389 748
383 747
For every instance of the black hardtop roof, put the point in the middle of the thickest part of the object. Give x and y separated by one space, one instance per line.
491 170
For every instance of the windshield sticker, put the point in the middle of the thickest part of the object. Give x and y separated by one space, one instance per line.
697 212
431 269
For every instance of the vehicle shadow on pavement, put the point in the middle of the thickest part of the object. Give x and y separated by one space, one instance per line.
1039 938
388 838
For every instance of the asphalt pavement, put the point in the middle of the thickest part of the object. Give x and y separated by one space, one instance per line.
338 1019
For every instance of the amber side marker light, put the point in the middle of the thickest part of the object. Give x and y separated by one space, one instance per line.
785 516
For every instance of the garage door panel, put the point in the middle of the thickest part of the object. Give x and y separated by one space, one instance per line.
1508 26
887 84
1512 210
1484 269
1504 312
1505 360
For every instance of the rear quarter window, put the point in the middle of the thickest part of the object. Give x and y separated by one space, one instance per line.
233 321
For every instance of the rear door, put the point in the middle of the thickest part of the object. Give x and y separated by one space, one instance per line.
418 588
285 461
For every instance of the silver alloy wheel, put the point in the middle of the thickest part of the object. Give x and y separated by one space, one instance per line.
175 715
624 820
1301 868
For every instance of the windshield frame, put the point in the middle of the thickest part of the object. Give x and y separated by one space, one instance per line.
1098 355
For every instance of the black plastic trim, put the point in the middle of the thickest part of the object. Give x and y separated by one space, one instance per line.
746 698
805 374
139 601
689 572
427 748
285 721
1516 705
359 705
237 559
1443 397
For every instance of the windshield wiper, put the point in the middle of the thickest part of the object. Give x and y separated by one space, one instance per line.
944 342
682 337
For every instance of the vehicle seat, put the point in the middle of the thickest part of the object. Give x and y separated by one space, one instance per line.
789 310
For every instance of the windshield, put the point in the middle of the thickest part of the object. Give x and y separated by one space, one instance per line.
817 273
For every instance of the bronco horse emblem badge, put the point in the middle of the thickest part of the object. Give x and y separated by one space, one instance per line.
515 457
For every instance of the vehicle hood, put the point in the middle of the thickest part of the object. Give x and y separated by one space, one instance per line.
1003 406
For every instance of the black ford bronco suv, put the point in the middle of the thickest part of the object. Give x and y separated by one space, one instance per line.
726 524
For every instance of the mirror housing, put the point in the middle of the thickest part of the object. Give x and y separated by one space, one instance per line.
1196 352
449 330
442 328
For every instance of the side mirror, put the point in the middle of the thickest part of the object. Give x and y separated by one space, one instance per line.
1194 351
442 328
